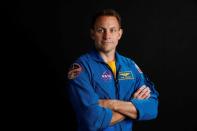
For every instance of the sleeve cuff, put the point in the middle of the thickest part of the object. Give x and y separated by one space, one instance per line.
147 109
107 118
137 104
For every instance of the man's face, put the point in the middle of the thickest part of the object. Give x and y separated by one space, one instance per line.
106 33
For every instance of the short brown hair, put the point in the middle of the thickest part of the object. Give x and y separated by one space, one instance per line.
106 12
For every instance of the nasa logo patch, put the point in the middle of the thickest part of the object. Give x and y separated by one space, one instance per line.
106 75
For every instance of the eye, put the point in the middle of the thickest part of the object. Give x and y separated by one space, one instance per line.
113 30
100 30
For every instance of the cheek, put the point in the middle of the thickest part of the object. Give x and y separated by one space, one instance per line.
116 38
98 37
94 36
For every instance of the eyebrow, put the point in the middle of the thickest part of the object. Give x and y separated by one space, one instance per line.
106 28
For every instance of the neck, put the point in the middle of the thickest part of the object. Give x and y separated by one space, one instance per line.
110 56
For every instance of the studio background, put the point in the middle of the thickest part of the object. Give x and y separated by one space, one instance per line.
42 39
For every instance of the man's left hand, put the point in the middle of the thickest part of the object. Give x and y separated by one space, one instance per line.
142 93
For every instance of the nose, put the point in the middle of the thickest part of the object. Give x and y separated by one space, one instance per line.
106 35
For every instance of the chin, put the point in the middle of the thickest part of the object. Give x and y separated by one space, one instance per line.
104 49
107 50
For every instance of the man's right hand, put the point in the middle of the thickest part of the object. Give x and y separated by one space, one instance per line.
142 93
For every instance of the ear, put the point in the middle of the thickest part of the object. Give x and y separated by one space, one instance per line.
120 33
92 34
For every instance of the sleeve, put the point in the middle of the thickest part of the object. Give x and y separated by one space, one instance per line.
85 101
147 108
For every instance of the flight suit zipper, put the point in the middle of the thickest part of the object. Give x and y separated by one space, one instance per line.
115 80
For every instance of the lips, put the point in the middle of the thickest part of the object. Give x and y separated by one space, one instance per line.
106 42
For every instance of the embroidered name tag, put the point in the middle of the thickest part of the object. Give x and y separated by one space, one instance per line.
126 75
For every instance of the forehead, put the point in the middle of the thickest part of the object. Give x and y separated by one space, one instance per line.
107 22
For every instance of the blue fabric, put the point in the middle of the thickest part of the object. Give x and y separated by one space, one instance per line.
96 81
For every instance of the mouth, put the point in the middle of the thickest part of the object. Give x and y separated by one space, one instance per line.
106 42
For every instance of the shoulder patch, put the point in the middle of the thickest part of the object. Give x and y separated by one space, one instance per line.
74 71
139 70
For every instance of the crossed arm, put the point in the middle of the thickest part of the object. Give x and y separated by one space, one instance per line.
122 109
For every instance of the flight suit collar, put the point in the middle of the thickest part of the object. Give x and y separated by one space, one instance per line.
97 57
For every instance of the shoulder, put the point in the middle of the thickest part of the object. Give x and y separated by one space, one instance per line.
77 67
125 60
84 57
80 65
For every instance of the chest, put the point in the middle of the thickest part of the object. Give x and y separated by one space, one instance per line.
108 86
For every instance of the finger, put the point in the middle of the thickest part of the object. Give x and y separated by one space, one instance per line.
143 92
138 91
146 95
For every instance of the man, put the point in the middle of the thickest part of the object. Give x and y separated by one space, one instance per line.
107 90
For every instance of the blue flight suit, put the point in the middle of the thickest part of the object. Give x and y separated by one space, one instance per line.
95 81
